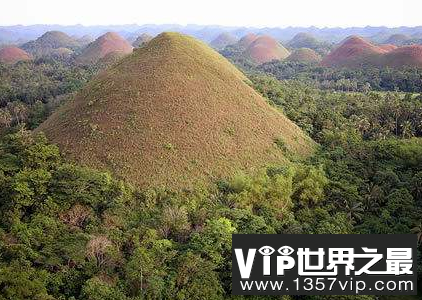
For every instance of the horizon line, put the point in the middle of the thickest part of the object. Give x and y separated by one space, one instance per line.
210 25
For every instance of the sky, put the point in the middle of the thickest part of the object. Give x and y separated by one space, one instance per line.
257 13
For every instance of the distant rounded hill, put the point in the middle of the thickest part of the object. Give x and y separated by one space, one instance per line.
304 55
357 52
12 54
142 40
303 40
246 41
354 51
173 113
404 56
49 41
223 40
105 44
85 40
265 49
398 39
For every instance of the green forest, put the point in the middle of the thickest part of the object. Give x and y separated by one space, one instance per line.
70 232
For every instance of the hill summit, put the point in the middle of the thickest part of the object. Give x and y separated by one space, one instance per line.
109 42
174 112
303 40
12 54
265 49
49 41
246 41
354 51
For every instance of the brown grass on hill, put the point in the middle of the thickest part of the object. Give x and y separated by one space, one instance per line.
354 51
404 56
12 54
48 41
173 113
246 41
105 44
111 58
304 55
388 47
265 49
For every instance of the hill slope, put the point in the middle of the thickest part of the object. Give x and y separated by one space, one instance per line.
397 39
105 44
305 55
246 41
85 40
142 40
223 40
12 54
404 56
174 112
49 41
353 52
303 40
265 49
387 47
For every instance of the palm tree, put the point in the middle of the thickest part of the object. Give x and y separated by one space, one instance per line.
418 231
354 210
372 197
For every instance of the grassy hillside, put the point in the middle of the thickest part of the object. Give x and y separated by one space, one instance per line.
265 49
12 54
49 41
304 55
105 44
174 112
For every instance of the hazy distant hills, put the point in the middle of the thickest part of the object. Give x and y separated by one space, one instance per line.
357 52
21 34
243 46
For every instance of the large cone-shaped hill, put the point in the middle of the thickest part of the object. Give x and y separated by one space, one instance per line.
109 42
265 49
12 54
354 52
174 112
